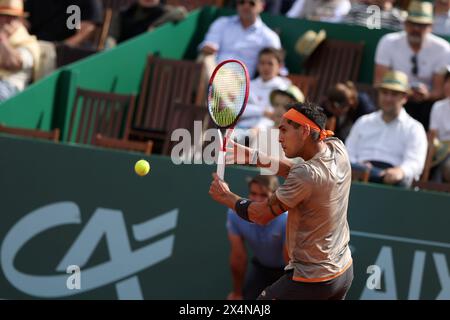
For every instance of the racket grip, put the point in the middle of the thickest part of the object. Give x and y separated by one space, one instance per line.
221 164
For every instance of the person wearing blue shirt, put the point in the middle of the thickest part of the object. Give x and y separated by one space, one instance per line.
267 243
241 37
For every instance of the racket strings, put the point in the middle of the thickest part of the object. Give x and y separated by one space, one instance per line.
227 93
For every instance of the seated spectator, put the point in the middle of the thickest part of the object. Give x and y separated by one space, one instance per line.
145 15
391 17
440 123
259 110
321 10
267 243
389 142
275 7
48 21
19 52
280 99
418 53
239 37
343 106
278 7
441 25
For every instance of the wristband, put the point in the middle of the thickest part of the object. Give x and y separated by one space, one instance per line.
241 208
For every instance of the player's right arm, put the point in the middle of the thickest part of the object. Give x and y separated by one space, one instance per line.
239 154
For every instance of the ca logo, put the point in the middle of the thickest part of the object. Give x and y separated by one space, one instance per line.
104 222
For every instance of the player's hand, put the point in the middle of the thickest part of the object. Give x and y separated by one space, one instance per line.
238 154
208 50
219 189
234 296
392 175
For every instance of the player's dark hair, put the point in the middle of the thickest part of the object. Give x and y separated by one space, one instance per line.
269 182
312 112
277 53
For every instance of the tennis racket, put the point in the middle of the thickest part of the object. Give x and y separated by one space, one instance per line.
227 97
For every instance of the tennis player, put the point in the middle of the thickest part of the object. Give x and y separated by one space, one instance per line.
315 193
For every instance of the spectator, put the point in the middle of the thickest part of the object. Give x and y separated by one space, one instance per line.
343 106
440 123
441 23
275 7
266 242
280 99
19 52
48 20
389 142
278 7
390 17
239 37
322 10
419 54
145 15
259 109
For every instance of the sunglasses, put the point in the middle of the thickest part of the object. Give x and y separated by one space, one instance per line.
415 66
251 2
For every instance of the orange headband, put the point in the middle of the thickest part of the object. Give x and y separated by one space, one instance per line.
301 119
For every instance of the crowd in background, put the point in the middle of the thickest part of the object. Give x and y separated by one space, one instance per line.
387 137
414 50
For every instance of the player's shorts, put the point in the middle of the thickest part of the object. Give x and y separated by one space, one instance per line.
287 289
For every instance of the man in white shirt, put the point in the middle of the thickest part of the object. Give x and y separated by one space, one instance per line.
389 142
416 52
19 51
240 37
321 10
441 23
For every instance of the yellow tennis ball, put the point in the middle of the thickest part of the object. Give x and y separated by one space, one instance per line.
142 167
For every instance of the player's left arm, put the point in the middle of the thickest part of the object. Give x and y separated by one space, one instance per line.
258 212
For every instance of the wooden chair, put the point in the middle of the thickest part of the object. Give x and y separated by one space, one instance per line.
194 4
110 8
183 116
431 186
165 82
32 133
95 112
332 62
360 175
123 144
307 84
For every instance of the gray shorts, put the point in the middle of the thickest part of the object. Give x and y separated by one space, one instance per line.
287 289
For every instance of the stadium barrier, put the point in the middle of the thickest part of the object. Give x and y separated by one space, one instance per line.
65 206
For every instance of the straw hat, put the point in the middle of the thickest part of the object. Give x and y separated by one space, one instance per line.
309 42
420 12
396 81
12 8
